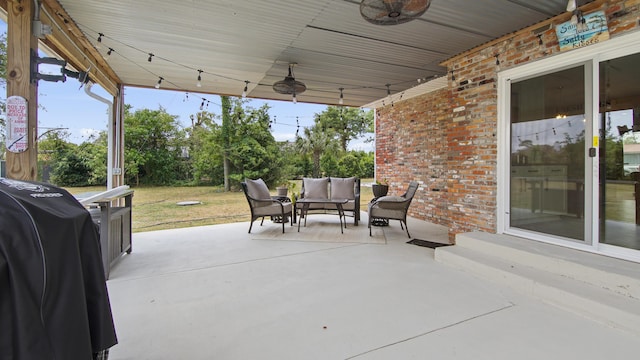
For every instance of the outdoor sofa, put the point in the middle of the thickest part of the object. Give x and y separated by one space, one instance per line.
333 188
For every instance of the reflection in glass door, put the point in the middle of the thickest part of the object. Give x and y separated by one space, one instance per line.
620 152
548 154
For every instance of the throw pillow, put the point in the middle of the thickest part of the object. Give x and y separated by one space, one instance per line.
343 188
316 188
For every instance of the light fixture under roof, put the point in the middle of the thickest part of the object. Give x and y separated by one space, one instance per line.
289 85
392 12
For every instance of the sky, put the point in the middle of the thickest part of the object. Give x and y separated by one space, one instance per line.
66 105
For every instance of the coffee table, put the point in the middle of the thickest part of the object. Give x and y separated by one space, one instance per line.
306 202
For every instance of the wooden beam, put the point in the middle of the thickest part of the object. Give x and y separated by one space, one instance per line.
70 43
20 45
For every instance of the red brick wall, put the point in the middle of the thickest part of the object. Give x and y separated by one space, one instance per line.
446 140
410 145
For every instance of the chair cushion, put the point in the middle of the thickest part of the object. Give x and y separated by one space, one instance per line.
316 188
257 189
342 188
390 202
272 209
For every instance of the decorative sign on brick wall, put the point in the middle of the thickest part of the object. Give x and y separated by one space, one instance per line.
591 29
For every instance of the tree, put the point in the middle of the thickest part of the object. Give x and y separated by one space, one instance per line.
71 164
154 146
226 134
205 152
95 153
315 142
347 123
349 165
253 150
242 147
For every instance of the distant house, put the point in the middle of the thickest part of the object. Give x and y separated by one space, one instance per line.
631 153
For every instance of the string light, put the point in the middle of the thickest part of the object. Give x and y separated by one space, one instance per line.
295 99
540 39
152 55
199 83
497 60
98 45
453 76
202 104
246 87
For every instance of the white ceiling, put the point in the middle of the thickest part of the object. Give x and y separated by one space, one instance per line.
234 41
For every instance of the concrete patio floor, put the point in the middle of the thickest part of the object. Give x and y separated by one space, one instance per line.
216 292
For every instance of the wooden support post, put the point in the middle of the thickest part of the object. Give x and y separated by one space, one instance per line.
20 44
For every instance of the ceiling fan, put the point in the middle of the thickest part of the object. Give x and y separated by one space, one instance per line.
289 85
392 12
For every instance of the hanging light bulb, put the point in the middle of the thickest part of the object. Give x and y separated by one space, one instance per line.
571 5
99 44
341 101
199 83
159 82
295 99
246 87
582 23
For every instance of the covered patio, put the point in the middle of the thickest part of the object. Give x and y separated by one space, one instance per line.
216 292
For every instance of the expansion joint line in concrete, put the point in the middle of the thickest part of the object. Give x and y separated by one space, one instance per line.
433 331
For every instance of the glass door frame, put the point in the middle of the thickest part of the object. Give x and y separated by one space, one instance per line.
590 57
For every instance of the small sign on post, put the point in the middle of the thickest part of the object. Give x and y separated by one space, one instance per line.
17 124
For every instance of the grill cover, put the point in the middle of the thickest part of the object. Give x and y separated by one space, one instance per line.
53 296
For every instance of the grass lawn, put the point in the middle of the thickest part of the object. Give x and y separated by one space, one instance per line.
155 208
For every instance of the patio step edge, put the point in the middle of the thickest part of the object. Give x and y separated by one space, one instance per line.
619 276
589 301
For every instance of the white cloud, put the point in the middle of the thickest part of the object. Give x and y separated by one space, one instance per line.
284 136
87 133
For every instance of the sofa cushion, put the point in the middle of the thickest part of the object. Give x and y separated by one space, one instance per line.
257 189
343 188
316 188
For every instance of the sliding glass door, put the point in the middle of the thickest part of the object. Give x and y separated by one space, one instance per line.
619 166
573 159
547 154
